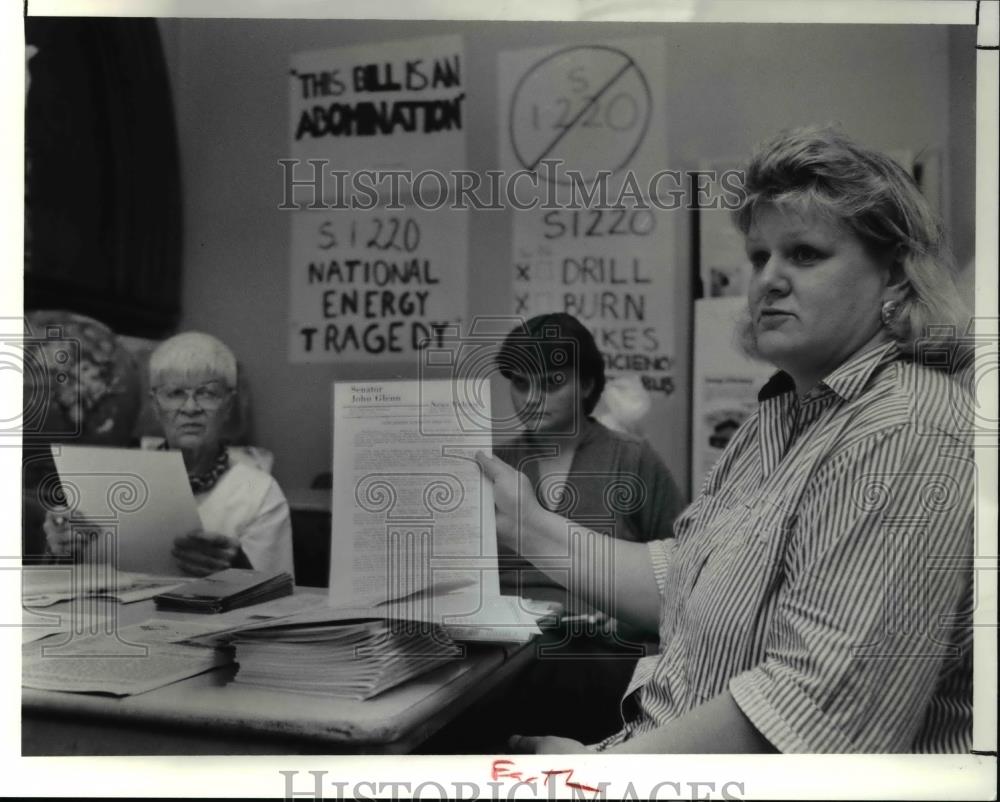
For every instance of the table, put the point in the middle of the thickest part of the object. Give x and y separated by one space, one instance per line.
204 715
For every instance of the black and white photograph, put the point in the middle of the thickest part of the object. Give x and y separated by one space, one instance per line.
575 399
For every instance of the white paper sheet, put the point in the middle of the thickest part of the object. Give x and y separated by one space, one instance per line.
80 619
171 630
118 675
43 587
411 509
464 615
205 630
501 619
139 500
147 589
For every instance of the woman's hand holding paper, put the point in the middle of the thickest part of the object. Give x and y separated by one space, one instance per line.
518 512
64 540
200 553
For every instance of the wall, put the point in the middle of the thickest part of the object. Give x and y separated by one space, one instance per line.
726 87
962 146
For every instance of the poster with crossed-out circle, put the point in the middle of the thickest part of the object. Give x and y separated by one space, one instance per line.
595 106
589 107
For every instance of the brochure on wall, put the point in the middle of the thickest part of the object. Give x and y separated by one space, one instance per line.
411 510
726 383
723 263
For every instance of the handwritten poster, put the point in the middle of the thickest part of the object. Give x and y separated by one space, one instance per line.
612 270
393 105
588 122
590 107
374 284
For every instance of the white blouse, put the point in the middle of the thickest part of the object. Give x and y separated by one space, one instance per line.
246 503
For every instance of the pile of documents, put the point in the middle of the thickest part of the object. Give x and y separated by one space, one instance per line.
359 652
96 655
469 617
227 590
357 659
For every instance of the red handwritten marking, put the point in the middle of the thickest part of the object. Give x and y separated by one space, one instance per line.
500 768
500 771
569 776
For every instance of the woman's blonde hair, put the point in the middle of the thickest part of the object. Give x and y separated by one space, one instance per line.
820 170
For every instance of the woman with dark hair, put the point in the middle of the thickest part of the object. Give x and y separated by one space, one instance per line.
601 480
817 595
613 481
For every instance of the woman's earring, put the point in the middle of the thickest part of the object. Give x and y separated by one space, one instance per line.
889 310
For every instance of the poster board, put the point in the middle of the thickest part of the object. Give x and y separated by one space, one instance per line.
374 284
588 124
612 270
374 273
379 106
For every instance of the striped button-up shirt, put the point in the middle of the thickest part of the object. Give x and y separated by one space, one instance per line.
823 576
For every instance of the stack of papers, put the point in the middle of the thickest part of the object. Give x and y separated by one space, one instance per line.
216 630
227 590
468 617
140 657
356 659
461 616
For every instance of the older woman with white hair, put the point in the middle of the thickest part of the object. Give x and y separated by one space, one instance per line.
244 515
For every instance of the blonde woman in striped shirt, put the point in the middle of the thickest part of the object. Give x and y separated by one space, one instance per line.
815 597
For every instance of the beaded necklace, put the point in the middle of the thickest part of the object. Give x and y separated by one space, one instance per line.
203 482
